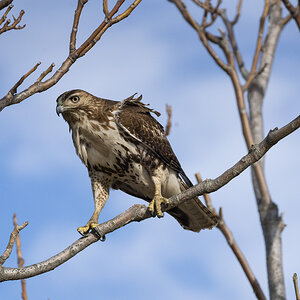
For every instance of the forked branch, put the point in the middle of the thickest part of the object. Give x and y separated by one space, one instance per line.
13 236
74 53
294 11
138 213
15 25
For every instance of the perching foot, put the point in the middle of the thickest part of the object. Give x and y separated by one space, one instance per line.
155 205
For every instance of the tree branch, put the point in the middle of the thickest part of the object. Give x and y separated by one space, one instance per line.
40 86
14 25
203 35
231 36
138 213
295 281
258 45
14 234
294 11
222 226
20 259
169 120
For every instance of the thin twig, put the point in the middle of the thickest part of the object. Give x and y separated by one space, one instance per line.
11 242
203 35
105 8
222 226
20 259
3 18
138 213
169 120
234 45
46 72
295 281
294 11
238 13
13 90
14 25
258 46
77 14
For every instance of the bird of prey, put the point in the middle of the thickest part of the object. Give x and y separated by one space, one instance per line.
124 147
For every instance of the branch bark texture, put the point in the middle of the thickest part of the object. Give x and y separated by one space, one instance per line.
271 221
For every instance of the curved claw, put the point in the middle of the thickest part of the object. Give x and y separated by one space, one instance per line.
86 229
155 205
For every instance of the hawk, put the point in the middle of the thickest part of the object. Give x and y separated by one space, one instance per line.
124 147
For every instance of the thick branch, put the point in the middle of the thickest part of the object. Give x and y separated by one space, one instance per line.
139 212
271 220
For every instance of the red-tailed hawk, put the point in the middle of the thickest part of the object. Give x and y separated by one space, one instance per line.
124 147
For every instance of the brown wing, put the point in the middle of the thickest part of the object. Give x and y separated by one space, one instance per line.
135 119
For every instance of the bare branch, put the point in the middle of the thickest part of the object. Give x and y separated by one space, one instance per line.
20 258
46 72
10 244
138 213
231 36
3 18
40 86
294 11
14 25
105 8
295 281
238 13
78 11
13 90
169 121
222 226
204 36
258 46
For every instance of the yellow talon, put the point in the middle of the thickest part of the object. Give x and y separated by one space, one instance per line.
85 229
155 205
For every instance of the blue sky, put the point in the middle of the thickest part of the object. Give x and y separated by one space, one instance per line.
155 53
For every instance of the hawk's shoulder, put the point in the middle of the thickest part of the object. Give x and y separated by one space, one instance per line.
134 118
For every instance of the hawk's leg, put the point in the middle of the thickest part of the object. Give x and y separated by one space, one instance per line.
155 204
100 186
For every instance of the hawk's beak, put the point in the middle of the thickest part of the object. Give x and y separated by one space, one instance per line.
59 109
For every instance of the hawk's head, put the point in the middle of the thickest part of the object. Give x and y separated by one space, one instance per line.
72 104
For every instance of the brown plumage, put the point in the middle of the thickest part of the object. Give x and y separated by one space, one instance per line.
125 148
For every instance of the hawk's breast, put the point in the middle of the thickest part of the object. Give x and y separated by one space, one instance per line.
102 148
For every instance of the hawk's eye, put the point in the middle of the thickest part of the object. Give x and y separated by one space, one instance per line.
74 99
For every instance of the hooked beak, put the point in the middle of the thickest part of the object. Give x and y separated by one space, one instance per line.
60 109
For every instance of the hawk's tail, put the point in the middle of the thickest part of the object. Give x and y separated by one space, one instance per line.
193 214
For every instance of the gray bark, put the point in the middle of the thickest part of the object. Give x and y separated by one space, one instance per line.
271 222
